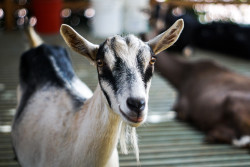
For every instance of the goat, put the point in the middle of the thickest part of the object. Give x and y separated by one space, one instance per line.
211 97
60 123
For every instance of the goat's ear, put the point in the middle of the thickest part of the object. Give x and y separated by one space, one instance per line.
78 43
167 38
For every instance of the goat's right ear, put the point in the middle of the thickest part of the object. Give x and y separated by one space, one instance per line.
78 43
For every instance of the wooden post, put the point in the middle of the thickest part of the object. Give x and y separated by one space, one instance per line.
9 14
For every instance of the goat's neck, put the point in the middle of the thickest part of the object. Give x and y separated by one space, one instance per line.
99 129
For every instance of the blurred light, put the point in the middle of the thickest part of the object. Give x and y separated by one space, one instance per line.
157 118
178 11
188 51
22 12
5 128
20 21
160 0
1 13
33 21
66 13
217 12
89 13
160 24
199 8
22 2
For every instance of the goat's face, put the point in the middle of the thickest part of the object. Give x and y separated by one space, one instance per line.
125 66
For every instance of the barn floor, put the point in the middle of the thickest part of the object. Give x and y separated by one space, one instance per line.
163 141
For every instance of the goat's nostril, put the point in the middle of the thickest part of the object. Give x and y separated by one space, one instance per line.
136 104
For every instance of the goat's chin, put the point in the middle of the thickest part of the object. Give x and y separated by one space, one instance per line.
132 124
133 121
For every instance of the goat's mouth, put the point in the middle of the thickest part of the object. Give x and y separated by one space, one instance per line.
134 119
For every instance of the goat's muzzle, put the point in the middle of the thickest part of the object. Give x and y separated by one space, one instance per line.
136 114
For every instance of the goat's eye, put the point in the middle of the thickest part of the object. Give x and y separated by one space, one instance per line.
100 63
152 61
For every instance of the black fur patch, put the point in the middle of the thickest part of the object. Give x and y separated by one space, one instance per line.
149 70
140 62
148 75
43 65
106 73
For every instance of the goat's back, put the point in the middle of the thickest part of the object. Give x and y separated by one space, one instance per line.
49 96
207 84
49 66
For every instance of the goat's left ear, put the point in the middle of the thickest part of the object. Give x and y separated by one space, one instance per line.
78 43
167 38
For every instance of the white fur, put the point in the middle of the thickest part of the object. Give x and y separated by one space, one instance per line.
243 141
81 88
52 134
135 90
75 85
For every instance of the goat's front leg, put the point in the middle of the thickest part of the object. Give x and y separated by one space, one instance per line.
114 159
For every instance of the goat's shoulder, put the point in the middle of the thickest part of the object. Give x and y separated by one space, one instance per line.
49 69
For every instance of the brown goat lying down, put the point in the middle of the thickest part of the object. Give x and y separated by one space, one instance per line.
211 97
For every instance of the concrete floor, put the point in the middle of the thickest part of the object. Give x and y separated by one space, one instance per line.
163 140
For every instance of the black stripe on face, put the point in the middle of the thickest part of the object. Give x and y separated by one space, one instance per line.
119 73
105 73
148 74
107 76
149 70
140 61
120 68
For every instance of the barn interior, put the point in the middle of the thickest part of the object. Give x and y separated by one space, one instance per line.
217 30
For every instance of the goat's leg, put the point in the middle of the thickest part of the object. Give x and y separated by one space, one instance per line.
220 134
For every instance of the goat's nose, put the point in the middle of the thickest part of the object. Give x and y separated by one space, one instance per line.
136 104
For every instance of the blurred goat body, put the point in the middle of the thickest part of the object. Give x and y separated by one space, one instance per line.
60 122
213 98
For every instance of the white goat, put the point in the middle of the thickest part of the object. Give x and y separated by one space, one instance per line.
59 124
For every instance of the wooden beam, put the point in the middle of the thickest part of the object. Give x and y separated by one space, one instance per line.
77 5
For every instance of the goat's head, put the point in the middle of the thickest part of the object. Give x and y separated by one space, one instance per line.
125 66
